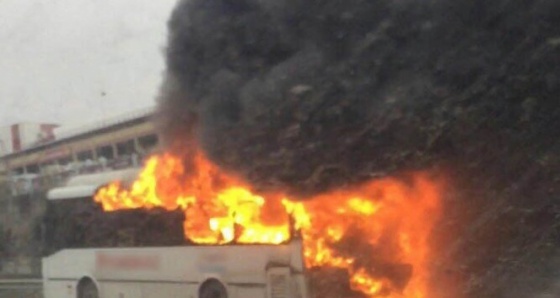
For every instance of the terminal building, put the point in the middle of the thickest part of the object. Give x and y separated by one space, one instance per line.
115 143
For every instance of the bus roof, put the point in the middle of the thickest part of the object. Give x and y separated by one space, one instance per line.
72 192
83 186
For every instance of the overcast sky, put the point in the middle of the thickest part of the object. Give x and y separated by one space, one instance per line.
78 61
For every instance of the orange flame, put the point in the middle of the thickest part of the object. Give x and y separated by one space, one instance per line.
377 232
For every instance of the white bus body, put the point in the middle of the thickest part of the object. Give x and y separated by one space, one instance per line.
232 271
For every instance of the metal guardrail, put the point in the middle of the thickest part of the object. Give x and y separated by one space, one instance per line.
21 285
28 184
20 281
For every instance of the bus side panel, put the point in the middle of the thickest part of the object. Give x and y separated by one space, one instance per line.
247 292
62 271
154 290
120 290
160 272
59 289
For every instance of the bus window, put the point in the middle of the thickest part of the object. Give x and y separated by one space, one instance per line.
81 223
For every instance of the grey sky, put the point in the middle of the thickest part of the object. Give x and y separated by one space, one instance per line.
77 61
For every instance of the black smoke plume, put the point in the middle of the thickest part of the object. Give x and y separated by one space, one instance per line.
309 95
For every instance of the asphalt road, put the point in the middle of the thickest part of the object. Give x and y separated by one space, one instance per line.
20 288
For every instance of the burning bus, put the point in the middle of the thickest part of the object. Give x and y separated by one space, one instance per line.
167 230
266 131
279 114
143 253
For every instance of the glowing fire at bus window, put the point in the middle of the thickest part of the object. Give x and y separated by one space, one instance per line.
361 230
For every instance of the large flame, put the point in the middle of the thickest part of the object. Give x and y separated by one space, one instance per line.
377 232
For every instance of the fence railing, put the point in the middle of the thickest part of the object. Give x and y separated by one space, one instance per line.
56 176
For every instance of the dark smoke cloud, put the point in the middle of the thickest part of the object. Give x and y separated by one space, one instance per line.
309 95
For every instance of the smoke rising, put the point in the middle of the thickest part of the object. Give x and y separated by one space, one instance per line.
305 96
291 94
309 95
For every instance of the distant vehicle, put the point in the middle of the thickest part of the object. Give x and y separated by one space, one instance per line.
76 266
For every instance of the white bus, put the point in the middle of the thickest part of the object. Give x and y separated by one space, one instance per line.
74 268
